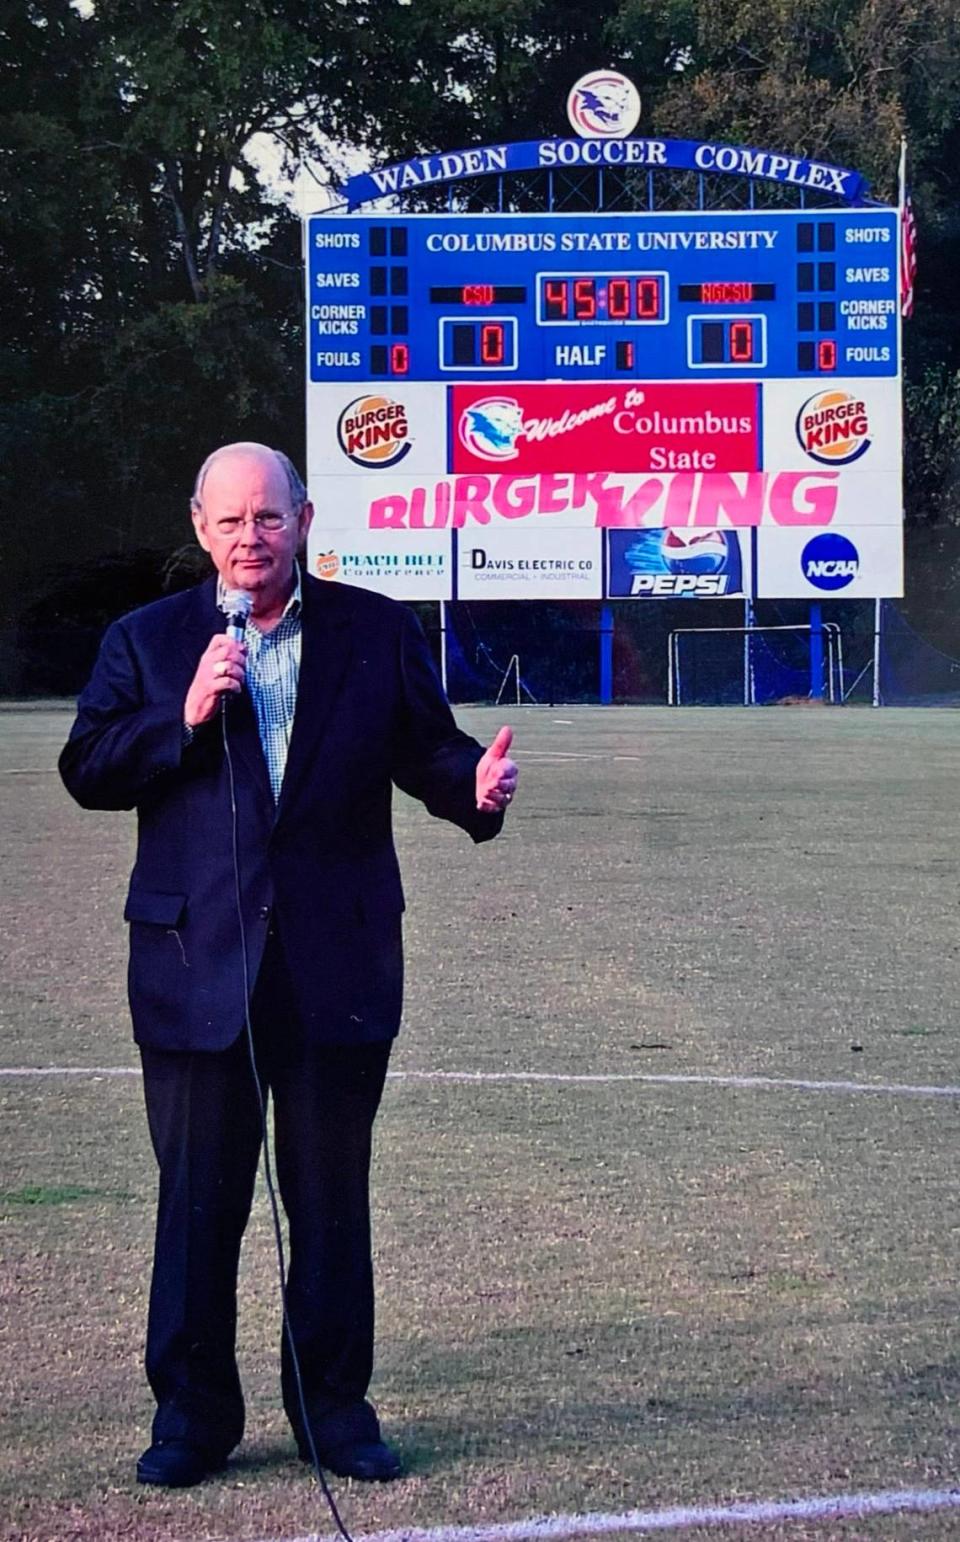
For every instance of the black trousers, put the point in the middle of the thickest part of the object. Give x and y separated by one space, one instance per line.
206 1130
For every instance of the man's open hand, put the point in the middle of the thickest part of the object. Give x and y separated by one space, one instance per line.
496 775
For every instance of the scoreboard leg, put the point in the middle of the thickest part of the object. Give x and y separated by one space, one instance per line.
816 652
606 655
443 645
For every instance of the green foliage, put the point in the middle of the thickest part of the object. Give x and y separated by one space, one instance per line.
150 284
932 449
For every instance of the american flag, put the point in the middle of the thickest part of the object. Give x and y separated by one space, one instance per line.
908 256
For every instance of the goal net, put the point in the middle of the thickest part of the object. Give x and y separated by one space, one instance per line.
751 666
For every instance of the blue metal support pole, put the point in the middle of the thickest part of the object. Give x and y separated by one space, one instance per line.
606 655
877 652
816 651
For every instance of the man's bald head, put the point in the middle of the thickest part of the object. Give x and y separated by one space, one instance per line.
249 449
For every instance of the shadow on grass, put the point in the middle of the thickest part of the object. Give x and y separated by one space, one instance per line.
614 1394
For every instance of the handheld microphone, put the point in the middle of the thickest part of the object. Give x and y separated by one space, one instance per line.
236 605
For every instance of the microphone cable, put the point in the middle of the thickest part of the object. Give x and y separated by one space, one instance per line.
264 1132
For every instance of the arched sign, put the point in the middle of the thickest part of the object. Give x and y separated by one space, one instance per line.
568 154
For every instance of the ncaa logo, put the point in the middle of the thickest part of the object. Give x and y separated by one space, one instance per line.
490 428
833 428
373 431
604 105
830 561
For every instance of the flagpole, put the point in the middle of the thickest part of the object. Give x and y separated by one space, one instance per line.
901 226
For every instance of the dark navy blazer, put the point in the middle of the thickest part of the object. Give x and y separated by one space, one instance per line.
370 711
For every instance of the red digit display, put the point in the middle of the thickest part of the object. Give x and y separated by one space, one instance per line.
477 294
584 299
491 343
618 299
601 297
826 354
741 342
399 359
556 304
648 298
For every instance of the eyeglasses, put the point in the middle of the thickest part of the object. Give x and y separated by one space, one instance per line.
268 522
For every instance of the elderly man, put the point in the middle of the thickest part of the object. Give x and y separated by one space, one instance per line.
277 807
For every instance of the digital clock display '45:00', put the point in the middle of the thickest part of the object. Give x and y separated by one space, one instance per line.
601 298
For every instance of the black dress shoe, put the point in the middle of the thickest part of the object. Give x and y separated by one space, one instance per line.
177 1464
373 1461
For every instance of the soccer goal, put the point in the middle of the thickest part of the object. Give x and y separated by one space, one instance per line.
751 665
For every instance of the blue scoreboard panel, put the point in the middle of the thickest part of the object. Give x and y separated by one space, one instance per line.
798 294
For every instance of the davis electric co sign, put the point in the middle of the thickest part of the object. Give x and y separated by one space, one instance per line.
597 405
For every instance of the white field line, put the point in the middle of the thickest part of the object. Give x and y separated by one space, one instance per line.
71 1070
756 1083
552 1528
749 1083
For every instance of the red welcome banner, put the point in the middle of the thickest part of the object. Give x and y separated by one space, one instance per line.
615 427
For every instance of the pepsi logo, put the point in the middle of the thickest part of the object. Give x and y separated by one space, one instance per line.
374 431
676 563
604 105
833 427
695 551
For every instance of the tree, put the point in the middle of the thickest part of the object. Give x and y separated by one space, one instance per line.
150 282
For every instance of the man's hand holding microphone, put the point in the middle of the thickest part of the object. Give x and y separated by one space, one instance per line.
222 669
223 665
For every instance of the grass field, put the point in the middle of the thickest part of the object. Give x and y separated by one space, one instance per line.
595 1295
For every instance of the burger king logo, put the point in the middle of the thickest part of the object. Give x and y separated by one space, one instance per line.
327 564
373 431
833 427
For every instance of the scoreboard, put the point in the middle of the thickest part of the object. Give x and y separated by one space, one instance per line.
585 297
601 405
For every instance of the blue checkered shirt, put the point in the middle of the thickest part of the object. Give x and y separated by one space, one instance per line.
273 670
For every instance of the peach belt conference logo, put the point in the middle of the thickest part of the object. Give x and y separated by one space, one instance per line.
379 562
374 431
833 427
